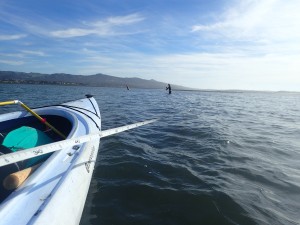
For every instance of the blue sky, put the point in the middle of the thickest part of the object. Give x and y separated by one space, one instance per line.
207 44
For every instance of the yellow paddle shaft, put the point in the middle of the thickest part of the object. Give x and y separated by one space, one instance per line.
42 120
9 102
34 114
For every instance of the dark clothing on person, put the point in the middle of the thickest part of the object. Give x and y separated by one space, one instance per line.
169 88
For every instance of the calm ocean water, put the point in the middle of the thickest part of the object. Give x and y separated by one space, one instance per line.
212 158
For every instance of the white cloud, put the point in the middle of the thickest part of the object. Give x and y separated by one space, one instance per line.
36 53
17 55
11 62
275 20
259 45
73 32
12 37
119 20
101 28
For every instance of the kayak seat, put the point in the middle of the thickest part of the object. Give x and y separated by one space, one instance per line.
26 137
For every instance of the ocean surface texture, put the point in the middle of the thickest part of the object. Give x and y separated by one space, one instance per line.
211 158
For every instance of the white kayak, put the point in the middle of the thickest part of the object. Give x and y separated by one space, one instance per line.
57 146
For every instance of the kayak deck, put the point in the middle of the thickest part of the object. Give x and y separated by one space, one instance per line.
60 185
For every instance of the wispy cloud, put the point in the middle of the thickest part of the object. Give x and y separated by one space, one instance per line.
12 37
257 42
17 55
36 53
11 62
272 20
119 20
101 28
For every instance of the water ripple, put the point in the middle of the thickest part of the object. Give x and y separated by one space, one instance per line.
212 158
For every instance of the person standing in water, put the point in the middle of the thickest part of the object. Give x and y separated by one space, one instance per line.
169 88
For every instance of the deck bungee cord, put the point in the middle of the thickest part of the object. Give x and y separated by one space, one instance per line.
74 107
77 109
89 96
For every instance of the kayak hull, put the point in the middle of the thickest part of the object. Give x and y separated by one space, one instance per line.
56 192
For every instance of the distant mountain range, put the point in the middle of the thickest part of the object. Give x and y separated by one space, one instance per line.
98 80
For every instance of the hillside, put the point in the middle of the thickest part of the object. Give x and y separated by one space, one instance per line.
98 80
